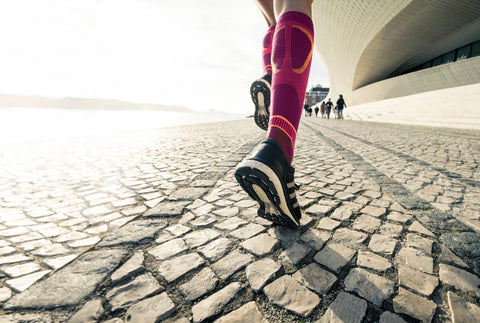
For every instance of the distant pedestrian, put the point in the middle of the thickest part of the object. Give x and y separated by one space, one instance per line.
340 106
323 108
329 105
335 112
305 107
316 111
310 111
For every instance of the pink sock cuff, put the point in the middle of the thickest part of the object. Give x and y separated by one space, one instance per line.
297 17
283 124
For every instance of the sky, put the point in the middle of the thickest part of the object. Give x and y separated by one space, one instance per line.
202 55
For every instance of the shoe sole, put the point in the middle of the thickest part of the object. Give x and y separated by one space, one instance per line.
263 185
260 93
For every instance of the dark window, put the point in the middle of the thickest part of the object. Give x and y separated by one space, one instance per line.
437 61
448 57
463 52
476 49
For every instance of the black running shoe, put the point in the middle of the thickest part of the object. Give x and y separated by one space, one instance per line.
260 92
268 178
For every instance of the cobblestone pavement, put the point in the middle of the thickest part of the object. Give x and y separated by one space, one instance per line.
152 226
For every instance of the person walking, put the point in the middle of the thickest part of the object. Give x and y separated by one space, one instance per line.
316 111
323 109
329 106
267 175
340 106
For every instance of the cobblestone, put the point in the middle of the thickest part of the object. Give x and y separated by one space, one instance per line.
390 227
345 308
214 303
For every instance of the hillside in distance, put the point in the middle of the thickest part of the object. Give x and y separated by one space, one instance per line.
33 101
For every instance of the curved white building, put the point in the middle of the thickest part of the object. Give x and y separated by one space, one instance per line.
424 53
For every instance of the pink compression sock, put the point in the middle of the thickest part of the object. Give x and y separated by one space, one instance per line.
267 51
292 56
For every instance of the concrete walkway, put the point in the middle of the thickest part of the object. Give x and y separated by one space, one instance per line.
152 226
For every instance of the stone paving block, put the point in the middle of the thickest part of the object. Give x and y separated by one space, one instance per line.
460 279
373 261
345 308
366 223
294 254
246 203
5 294
130 267
373 211
227 211
260 272
391 229
139 288
287 236
26 237
22 283
370 286
286 292
462 311
231 263
334 256
328 224
420 282
399 217
177 267
216 249
203 221
389 317
413 305
134 233
167 209
153 203
199 285
417 227
178 230
420 243
71 284
83 242
213 304
136 210
20 270
72 235
33 244
200 237
59 262
205 209
342 213
315 238
260 245
151 310
382 244
315 278
349 237
10 259
230 224
319 209
89 313
415 259
248 312
248 231
168 249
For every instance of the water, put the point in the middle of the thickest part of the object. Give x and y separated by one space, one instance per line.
27 124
